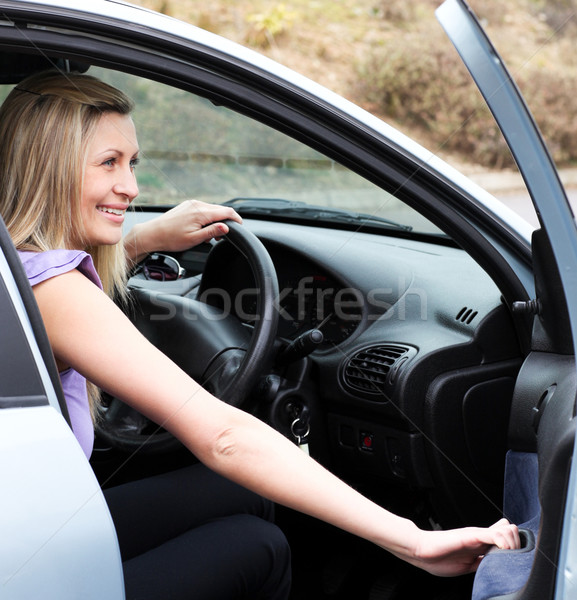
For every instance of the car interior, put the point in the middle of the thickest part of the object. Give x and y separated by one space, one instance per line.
359 309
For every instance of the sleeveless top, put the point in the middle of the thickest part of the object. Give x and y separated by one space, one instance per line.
40 266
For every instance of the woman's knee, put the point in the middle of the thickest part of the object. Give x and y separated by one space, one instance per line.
267 557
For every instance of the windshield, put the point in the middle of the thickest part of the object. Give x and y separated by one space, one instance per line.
191 148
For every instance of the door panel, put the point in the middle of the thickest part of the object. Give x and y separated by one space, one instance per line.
58 540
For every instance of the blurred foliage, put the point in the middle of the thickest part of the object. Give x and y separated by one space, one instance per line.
559 14
425 86
422 84
391 57
266 27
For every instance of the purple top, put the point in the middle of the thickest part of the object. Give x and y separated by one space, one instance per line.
40 266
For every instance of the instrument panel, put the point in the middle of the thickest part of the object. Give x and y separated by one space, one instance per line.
308 302
309 297
317 301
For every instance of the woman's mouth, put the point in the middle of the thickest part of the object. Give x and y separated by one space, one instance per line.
114 215
111 211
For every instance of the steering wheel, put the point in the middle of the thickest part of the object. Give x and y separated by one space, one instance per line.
213 346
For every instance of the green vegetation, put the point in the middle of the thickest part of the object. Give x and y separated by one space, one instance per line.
422 84
391 57
268 27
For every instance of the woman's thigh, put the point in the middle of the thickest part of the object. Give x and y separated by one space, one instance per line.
236 557
149 512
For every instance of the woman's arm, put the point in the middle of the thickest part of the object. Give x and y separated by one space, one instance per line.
88 331
182 227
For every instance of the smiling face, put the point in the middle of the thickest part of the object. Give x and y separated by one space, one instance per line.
109 180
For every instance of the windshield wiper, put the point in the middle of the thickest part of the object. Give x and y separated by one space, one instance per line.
309 212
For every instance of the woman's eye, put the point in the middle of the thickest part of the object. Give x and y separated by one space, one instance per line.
134 163
109 162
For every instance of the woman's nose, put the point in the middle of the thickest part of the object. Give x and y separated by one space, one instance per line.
126 185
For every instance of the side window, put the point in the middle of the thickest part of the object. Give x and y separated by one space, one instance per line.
192 148
28 375
20 382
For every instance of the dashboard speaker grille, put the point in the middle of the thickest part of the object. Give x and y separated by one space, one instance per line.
466 315
367 371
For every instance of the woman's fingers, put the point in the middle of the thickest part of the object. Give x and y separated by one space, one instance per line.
506 535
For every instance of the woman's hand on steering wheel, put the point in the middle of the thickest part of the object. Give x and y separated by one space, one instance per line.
186 225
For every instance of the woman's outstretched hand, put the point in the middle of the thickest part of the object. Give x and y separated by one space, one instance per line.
459 551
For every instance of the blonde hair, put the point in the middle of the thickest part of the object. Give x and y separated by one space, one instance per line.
46 124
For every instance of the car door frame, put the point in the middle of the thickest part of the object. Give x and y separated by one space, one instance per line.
58 539
519 128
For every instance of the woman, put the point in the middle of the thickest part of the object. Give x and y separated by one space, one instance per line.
69 150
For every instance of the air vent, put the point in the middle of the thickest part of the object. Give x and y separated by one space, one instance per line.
466 315
372 369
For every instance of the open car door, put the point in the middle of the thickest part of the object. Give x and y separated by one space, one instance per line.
541 471
57 539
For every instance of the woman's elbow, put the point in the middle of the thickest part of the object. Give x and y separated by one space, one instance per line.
220 448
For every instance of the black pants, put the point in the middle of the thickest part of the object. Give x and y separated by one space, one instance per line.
192 534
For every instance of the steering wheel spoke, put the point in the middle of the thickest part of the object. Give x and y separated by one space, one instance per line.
213 347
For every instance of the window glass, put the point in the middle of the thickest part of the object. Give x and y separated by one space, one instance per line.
192 148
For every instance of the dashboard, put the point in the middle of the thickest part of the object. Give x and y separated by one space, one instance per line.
412 382
310 297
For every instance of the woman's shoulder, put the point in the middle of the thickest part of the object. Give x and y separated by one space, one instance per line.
40 266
